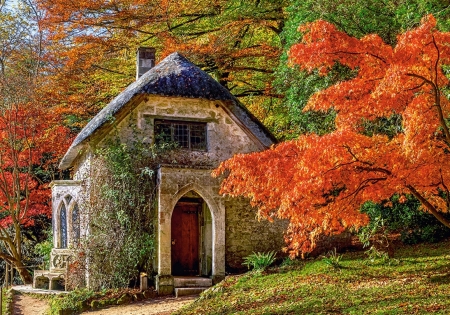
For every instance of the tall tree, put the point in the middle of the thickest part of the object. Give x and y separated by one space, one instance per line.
28 133
236 41
320 182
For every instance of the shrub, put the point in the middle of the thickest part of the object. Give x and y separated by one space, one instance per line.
332 259
413 225
44 249
259 261
73 301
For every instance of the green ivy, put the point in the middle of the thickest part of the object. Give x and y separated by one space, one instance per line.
121 209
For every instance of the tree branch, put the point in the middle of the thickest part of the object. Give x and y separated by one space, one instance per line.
437 97
429 206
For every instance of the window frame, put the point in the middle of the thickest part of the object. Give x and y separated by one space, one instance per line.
189 124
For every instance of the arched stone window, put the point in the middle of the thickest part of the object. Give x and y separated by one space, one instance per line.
68 223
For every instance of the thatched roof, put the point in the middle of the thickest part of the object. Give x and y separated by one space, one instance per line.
173 76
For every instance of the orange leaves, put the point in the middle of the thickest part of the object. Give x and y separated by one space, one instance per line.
30 141
319 183
304 181
323 45
388 78
95 41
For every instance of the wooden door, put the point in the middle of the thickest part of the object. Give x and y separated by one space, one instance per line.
185 239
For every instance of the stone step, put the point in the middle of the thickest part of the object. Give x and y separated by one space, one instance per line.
189 291
191 282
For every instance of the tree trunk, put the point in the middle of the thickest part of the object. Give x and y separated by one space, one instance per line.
24 274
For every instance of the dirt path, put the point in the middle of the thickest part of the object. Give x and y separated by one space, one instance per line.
160 306
27 305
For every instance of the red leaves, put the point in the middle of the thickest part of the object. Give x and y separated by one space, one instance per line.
319 183
29 140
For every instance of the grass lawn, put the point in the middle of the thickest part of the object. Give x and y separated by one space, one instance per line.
3 301
416 281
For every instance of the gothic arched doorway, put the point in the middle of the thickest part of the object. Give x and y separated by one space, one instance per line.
186 237
191 237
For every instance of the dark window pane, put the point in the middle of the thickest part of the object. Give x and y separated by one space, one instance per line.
76 224
63 226
187 135
163 132
181 135
198 137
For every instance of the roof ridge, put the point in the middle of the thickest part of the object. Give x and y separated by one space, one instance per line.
174 76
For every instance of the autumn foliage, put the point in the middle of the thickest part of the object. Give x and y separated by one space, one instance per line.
319 183
96 42
31 141
32 137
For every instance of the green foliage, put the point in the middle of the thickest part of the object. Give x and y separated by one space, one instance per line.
259 261
73 301
7 301
405 218
389 126
287 262
375 237
333 259
44 249
120 243
376 256
4 304
368 232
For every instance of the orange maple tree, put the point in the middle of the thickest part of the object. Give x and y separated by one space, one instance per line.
319 183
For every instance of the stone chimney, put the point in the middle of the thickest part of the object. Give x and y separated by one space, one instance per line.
145 60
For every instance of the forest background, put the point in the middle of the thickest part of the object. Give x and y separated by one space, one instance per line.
61 62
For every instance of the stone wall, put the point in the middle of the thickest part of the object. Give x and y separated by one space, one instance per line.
244 234
224 136
175 183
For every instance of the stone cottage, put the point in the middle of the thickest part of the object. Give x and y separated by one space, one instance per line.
205 120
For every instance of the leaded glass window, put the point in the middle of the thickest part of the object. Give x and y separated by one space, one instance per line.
75 224
63 226
187 135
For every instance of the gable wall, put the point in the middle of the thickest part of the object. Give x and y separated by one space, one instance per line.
225 138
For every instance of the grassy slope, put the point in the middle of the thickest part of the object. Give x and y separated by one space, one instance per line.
4 301
417 281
